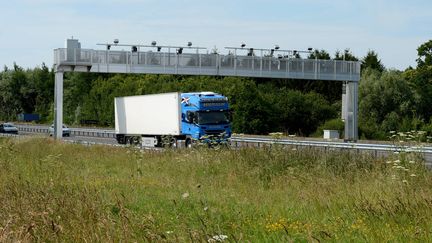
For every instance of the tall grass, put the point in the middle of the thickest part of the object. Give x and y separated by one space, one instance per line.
60 192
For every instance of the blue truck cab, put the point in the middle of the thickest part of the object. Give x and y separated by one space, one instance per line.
205 117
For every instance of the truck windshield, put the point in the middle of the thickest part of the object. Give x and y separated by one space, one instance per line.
213 117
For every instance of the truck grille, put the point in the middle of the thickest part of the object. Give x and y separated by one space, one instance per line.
214 132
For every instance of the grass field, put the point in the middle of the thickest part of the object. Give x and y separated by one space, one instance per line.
51 191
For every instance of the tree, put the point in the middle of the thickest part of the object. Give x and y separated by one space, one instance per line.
319 54
251 111
346 55
420 81
383 99
371 61
43 81
8 100
300 113
424 53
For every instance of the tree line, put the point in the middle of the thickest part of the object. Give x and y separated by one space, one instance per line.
389 100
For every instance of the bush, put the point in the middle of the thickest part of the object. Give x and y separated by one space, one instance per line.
333 124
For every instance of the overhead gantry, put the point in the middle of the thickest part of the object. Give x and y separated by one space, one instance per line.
134 61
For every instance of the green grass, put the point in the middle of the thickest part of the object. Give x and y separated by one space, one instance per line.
61 192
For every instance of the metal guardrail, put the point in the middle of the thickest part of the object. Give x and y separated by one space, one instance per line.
32 129
9 135
242 141
74 131
207 64
237 141
92 133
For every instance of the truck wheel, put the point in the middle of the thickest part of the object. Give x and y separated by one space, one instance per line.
188 143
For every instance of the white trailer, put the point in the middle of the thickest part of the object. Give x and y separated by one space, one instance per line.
147 118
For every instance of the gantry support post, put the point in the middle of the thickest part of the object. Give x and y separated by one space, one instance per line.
58 105
351 107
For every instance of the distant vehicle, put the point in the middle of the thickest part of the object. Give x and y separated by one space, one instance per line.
201 117
8 128
26 117
66 131
89 122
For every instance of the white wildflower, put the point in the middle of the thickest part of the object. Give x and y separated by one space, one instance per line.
405 181
413 175
218 238
185 195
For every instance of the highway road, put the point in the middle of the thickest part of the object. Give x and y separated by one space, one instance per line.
106 136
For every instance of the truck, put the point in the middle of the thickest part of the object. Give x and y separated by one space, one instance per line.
158 120
26 117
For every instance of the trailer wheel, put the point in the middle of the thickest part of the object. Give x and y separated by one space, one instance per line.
134 140
173 143
129 140
120 139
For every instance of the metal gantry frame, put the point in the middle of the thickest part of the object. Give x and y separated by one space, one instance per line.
74 59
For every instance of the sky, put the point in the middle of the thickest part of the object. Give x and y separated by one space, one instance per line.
32 29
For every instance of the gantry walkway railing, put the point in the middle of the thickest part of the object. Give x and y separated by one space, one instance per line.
109 61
